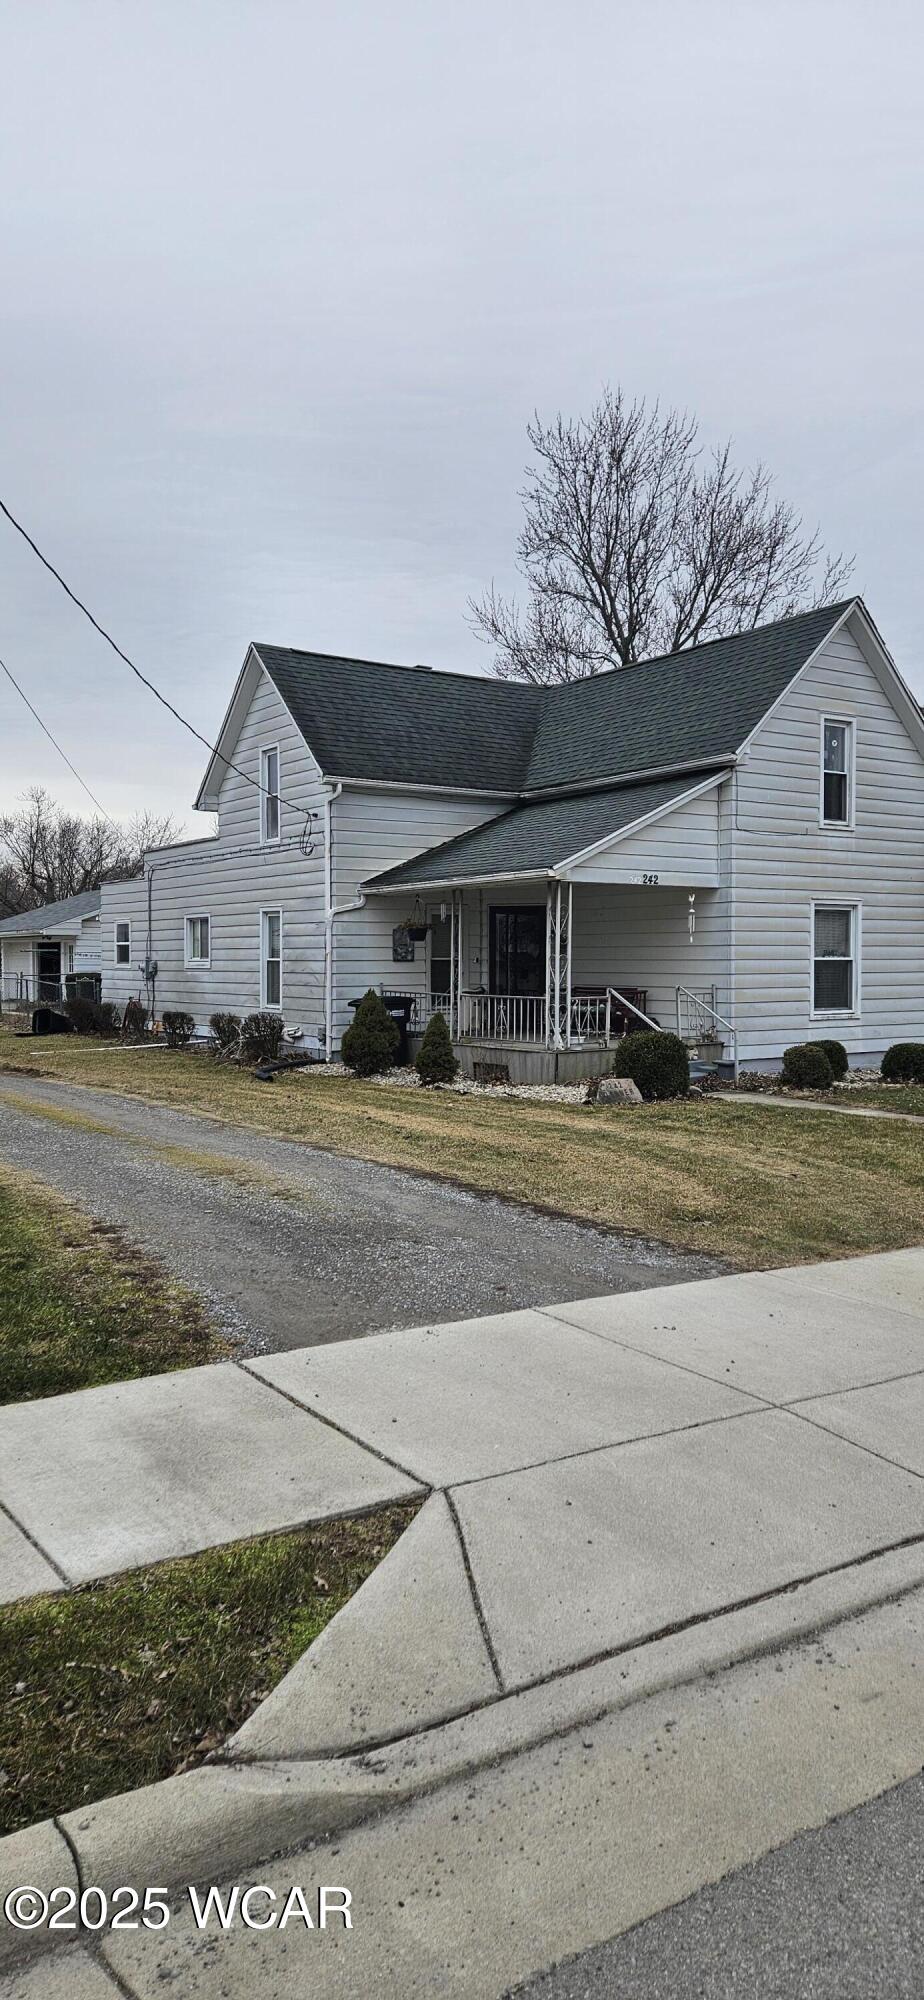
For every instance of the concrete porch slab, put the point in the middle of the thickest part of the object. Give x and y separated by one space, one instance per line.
476 1397
670 1529
108 1479
887 1418
765 1331
23 1571
407 1651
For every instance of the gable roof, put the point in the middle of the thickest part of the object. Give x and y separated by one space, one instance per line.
53 916
536 838
363 719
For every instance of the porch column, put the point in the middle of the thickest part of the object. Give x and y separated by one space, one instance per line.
455 965
558 966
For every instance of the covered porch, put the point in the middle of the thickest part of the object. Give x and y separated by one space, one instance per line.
550 932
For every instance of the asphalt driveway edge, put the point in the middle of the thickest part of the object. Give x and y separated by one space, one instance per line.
209 1824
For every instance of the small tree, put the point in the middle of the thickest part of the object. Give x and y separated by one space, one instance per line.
370 1043
436 1061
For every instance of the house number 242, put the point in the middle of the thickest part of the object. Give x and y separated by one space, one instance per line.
647 881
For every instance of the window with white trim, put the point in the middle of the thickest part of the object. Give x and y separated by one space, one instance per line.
269 801
834 959
836 772
271 956
123 944
198 940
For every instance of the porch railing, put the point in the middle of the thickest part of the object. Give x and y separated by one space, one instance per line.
699 1021
502 1017
22 989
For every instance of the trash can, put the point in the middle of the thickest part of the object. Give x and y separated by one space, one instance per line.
45 1021
401 1008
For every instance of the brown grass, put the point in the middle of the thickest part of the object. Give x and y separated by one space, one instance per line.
760 1186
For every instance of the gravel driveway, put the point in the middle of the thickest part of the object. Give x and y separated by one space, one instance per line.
292 1246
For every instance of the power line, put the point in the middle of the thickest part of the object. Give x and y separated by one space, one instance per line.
155 691
61 753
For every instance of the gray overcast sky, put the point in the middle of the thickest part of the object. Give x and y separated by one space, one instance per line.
282 283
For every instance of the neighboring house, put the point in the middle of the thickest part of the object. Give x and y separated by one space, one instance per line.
39 949
728 841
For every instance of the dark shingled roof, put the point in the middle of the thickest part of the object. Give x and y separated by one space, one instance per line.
50 916
363 719
534 838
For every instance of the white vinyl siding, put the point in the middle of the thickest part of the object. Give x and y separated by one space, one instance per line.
375 830
232 878
782 862
198 941
681 849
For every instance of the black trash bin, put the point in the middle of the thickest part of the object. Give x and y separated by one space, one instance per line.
401 1008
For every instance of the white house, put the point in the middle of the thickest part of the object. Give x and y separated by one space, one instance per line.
41 948
726 841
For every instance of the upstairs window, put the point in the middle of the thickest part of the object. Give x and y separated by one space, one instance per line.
836 773
123 944
269 800
834 966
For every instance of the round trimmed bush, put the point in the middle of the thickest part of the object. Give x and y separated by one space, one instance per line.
837 1057
806 1067
370 1043
904 1063
656 1061
435 1061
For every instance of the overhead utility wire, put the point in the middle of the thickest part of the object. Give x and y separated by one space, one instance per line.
52 739
155 691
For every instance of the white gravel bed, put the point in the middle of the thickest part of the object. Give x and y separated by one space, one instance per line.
408 1079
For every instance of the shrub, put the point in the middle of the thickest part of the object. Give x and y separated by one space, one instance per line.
657 1062
226 1033
904 1063
179 1028
371 1041
806 1067
837 1057
261 1037
93 1017
135 1018
435 1062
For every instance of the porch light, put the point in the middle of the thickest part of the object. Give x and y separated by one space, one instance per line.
691 918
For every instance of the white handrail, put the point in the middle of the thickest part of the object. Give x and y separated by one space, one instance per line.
613 993
702 1008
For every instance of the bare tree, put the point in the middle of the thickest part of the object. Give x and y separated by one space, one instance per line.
635 543
47 853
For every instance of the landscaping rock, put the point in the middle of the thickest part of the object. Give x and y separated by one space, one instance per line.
619 1090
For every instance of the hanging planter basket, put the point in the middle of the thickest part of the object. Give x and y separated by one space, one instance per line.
417 926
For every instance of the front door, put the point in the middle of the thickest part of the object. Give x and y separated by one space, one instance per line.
518 949
48 970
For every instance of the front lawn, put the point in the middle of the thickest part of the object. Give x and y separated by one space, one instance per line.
79 1305
126 1682
755 1184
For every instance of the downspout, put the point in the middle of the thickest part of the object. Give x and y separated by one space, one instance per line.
331 913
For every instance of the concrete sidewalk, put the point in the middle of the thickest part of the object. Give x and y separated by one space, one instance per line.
625 1494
